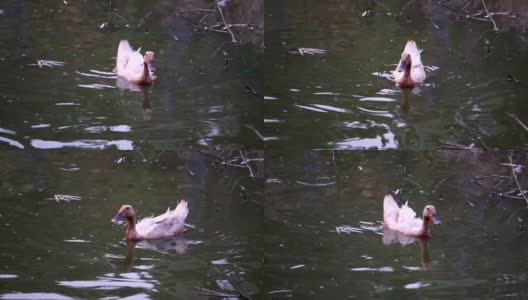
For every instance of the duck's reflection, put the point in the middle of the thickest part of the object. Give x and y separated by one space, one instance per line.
176 244
146 106
392 236
405 104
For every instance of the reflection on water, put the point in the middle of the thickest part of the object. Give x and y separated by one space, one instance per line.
315 98
60 59
55 212
325 238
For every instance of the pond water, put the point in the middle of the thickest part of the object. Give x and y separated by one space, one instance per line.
324 237
342 97
58 242
199 97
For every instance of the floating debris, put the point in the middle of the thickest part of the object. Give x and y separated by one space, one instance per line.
311 51
67 198
48 63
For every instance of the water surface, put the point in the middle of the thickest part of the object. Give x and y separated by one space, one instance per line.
328 67
324 237
59 91
58 242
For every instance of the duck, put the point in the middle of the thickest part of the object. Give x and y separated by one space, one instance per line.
133 66
403 219
169 224
410 71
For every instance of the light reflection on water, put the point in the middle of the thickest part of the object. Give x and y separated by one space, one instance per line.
325 213
56 210
353 78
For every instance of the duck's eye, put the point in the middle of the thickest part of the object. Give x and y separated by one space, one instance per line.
427 208
128 207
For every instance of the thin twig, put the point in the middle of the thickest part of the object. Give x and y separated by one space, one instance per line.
233 39
144 17
405 6
244 161
518 121
196 10
211 293
242 295
434 189
516 180
416 183
472 132
211 147
385 6
489 16
255 131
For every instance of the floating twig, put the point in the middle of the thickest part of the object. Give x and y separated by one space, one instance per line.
490 17
523 193
405 7
261 137
233 39
518 121
244 161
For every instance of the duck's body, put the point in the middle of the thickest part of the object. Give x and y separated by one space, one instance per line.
404 219
133 66
410 70
166 225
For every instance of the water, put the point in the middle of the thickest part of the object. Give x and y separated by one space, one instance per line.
324 236
57 238
307 223
199 97
343 98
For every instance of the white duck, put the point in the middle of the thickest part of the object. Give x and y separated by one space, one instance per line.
166 225
133 66
410 70
404 219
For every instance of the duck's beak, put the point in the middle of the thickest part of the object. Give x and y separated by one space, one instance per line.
401 65
117 219
436 219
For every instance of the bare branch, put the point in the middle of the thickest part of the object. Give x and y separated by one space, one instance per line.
233 39
489 16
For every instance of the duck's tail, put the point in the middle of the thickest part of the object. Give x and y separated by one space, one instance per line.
390 212
123 53
413 50
181 211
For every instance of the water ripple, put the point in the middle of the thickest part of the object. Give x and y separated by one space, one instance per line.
11 142
83 144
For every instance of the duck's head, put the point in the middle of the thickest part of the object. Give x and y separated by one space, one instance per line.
149 60
430 213
126 211
405 62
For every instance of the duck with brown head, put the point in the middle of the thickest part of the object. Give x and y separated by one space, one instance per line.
168 224
404 219
133 66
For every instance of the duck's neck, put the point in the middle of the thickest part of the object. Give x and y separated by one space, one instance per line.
146 74
425 227
131 233
407 72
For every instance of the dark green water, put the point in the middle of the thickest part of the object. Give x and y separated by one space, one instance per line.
343 99
324 236
307 222
196 96
70 249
